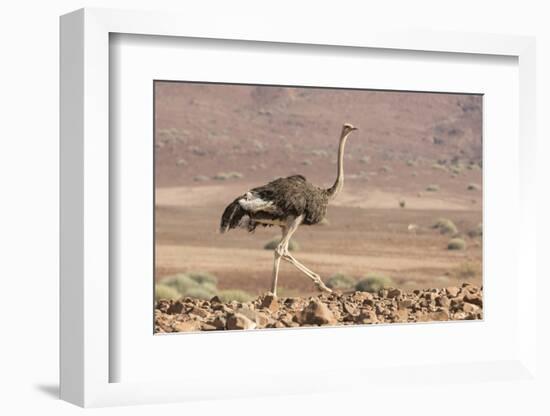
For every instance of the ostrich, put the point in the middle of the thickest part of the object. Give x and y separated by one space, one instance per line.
287 203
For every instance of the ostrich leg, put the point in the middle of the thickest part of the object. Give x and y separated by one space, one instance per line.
314 276
288 257
278 253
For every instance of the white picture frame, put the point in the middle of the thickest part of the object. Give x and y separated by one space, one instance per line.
86 356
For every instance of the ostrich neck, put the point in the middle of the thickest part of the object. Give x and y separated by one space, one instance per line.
339 183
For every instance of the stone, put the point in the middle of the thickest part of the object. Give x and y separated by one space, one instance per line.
452 291
203 313
443 301
405 303
470 308
163 305
367 317
269 301
239 321
350 308
186 326
176 307
475 299
316 313
394 293
441 315
400 315
218 322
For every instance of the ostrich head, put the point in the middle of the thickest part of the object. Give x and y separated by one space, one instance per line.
347 129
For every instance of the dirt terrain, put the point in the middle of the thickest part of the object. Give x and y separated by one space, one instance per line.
386 306
416 158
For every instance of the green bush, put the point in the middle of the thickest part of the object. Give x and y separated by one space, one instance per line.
272 245
204 292
373 283
234 294
203 277
341 281
200 285
181 282
165 292
432 188
456 244
445 226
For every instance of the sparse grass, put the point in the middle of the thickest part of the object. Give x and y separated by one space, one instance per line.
385 169
402 203
319 153
473 187
234 295
373 282
445 226
272 245
165 292
432 188
411 162
364 159
438 166
341 281
181 162
307 162
456 169
223 176
456 244
200 178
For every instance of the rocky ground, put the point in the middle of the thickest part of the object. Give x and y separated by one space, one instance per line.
267 311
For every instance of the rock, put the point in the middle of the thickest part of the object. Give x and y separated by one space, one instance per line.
470 308
394 293
443 301
316 313
475 299
163 305
203 313
441 315
350 308
405 303
268 311
186 326
366 317
452 291
239 321
459 316
176 307
269 301
218 322
400 315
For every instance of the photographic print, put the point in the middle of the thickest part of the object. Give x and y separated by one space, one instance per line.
289 207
